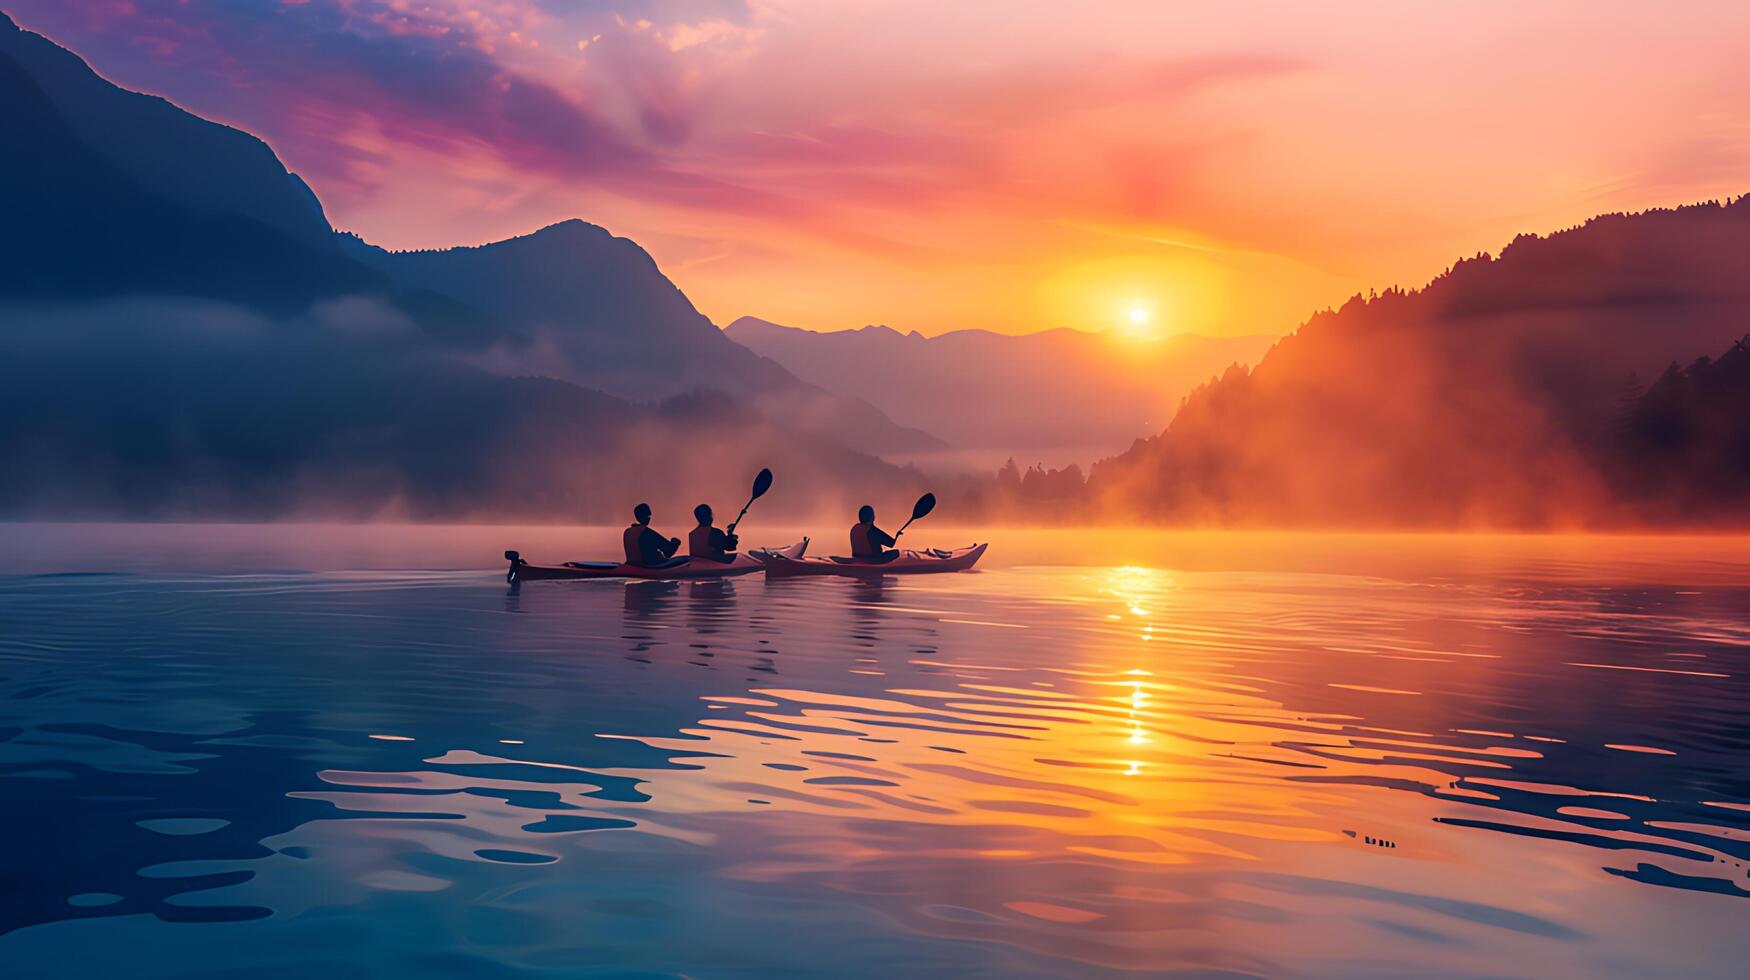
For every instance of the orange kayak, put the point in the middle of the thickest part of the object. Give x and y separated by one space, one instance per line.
678 568
908 563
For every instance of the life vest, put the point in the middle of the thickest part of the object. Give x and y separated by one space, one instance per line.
860 544
634 554
699 543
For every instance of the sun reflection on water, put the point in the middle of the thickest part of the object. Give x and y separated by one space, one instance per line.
1320 773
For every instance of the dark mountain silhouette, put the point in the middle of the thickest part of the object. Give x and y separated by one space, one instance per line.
180 333
163 409
1061 393
77 226
172 205
107 195
192 162
586 306
1490 397
1681 449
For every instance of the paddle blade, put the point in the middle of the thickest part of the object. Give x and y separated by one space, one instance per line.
925 504
762 483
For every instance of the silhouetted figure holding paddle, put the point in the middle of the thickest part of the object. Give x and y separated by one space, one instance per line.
868 542
643 545
708 542
870 560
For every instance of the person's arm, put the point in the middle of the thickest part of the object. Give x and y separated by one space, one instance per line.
881 539
722 540
654 547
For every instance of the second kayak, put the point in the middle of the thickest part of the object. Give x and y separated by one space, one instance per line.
908 563
679 568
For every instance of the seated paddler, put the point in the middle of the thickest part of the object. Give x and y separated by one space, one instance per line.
709 542
868 542
643 545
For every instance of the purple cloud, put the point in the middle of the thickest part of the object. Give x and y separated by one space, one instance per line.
430 74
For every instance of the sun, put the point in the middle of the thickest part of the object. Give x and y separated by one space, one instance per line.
1137 322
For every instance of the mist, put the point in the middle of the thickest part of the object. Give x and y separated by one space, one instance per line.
1512 392
177 409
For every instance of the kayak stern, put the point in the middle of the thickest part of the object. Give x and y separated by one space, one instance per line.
908 563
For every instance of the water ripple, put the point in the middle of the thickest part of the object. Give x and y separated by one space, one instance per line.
1390 768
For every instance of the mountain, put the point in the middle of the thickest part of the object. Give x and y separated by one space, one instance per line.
78 225
182 333
165 409
192 162
594 309
1062 394
108 193
1681 451
1493 396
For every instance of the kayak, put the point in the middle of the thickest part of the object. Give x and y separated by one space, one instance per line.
908 563
676 568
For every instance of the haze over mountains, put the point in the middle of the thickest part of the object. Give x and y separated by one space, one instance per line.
1057 396
1509 392
183 334
273 365
575 302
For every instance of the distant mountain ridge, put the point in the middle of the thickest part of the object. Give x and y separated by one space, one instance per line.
1064 393
109 193
582 304
183 334
182 409
1497 395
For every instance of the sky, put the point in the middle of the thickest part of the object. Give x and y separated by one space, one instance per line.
1143 165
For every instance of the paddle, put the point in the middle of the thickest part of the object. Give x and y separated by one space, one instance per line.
922 508
761 484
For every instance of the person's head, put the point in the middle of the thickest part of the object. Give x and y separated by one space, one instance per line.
866 514
641 513
702 513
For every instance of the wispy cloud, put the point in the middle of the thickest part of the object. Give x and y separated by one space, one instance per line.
845 154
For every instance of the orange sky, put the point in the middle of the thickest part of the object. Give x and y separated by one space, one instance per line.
1013 166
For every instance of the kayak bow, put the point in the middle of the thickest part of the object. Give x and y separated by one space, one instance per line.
678 568
908 563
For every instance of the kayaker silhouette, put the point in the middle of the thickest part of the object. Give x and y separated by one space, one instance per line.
868 542
643 545
708 542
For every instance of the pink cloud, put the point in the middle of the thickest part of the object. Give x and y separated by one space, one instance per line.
886 137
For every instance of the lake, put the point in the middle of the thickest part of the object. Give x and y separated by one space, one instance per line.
356 751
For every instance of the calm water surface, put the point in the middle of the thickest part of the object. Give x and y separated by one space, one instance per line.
293 751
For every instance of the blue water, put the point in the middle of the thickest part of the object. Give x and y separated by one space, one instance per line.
290 752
